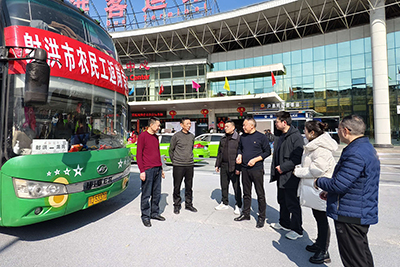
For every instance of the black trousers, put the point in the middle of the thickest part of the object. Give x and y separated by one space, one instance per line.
250 176
180 172
289 209
151 188
353 244
324 232
225 177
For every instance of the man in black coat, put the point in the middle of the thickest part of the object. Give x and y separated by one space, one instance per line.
288 152
227 167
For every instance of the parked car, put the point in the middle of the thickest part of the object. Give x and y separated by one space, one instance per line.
211 141
199 151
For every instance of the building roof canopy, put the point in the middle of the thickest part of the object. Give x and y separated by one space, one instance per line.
256 25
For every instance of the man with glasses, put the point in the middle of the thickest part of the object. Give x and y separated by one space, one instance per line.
352 193
227 167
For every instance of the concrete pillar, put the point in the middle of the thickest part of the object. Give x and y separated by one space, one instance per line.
380 76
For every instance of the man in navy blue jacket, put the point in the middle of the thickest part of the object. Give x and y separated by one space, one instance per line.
253 149
352 193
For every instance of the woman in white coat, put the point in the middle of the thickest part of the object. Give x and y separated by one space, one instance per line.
317 161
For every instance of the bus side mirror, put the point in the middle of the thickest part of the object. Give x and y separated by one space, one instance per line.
37 79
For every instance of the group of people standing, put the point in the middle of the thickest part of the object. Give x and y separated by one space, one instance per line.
305 172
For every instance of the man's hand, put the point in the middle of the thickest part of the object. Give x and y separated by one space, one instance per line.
315 184
143 176
237 172
278 168
239 159
323 195
252 162
216 169
163 174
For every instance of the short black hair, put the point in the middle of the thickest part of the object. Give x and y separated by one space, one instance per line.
153 120
284 116
251 119
184 119
230 121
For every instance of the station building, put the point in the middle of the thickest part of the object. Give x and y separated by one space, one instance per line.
332 58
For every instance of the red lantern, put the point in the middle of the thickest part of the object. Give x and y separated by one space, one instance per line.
204 111
172 113
221 125
241 110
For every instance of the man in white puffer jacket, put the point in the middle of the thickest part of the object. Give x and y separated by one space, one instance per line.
317 161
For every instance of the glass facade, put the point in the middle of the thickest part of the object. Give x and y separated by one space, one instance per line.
175 80
334 80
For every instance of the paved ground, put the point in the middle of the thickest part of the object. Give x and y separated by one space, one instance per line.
111 233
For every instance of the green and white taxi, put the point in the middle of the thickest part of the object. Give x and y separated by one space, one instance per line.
200 151
211 141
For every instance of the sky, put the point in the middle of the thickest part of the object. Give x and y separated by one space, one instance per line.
138 5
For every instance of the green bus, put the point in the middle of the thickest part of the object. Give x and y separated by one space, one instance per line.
63 112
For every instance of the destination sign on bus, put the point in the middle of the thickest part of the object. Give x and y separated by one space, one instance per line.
70 58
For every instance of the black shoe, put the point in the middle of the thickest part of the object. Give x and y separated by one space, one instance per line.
191 208
320 257
146 223
313 248
158 218
260 223
177 209
242 218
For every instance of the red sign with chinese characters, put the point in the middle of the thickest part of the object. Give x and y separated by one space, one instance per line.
148 114
71 59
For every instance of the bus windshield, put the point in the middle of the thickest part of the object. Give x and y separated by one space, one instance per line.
81 114
86 108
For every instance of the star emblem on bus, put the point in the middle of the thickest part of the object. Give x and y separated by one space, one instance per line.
78 171
66 172
120 162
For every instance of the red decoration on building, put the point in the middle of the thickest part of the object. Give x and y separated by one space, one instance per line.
204 111
172 113
241 110
221 125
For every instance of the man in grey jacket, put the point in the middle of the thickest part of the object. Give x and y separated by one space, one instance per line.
181 155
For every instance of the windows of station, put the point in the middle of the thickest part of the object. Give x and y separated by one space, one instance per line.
164 73
141 94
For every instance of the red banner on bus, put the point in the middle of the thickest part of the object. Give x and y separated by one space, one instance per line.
71 59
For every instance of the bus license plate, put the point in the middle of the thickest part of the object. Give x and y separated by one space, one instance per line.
93 200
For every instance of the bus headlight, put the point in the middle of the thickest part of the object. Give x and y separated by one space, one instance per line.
35 189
